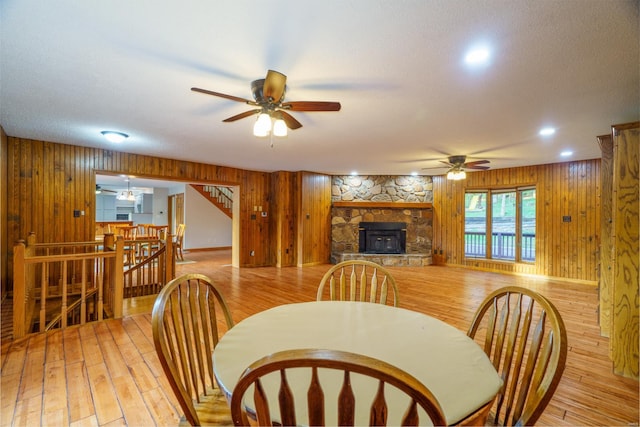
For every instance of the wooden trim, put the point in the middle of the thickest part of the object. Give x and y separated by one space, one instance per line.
387 205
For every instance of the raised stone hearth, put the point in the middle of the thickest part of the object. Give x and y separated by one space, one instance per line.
389 260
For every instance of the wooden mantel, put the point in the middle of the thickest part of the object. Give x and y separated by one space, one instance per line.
383 205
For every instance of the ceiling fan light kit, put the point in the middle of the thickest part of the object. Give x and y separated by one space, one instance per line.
456 175
268 94
457 165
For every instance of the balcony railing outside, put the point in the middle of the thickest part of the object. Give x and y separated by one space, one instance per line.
503 245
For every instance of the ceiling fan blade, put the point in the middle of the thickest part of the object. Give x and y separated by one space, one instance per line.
242 115
474 163
311 106
222 95
447 166
291 122
274 85
476 167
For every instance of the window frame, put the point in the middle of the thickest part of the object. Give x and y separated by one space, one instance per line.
488 194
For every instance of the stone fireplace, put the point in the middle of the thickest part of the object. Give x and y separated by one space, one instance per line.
346 221
358 200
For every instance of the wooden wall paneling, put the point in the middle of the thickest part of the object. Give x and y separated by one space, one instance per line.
67 183
314 219
4 242
626 310
544 240
284 224
606 263
562 249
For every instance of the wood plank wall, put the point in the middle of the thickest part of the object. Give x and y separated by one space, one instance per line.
606 242
563 249
625 308
46 182
4 238
284 191
314 218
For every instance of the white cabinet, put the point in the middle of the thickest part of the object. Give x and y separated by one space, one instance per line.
105 207
144 203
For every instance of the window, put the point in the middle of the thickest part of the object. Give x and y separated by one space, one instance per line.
501 224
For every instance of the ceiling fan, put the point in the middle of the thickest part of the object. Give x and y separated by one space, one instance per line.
99 190
268 95
458 164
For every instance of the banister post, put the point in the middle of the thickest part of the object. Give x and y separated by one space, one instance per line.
19 290
170 259
118 279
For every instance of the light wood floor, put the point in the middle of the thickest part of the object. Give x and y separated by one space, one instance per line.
108 374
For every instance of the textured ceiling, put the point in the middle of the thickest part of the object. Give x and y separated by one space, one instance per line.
70 69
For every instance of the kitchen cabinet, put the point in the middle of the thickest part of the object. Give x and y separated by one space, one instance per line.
105 207
144 203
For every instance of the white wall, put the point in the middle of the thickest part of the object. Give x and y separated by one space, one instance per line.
160 207
207 226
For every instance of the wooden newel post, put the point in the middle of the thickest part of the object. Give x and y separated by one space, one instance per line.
170 269
118 279
19 290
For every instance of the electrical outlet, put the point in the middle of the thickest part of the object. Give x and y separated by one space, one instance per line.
252 253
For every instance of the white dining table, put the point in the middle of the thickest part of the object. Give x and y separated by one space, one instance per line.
443 358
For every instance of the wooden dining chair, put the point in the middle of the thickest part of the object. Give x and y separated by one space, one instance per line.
524 336
179 240
358 280
386 380
186 317
127 233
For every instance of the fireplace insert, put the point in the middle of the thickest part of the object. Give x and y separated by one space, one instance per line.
382 237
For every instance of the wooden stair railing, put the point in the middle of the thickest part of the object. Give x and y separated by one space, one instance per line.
154 266
221 197
59 284
42 270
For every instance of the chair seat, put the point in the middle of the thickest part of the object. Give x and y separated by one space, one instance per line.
213 410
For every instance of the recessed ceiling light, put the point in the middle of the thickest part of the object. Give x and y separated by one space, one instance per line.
414 173
566 153
354 173
113 136
547 131
477 56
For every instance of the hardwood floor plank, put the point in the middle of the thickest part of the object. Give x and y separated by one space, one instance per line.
55 349
133 405
72 346
143 342
79 400
90 348
28 412
33 373
54 406
91 421
113 359
104 396
142 375
9 385
163 411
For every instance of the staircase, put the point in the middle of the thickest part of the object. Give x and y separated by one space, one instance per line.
221 197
